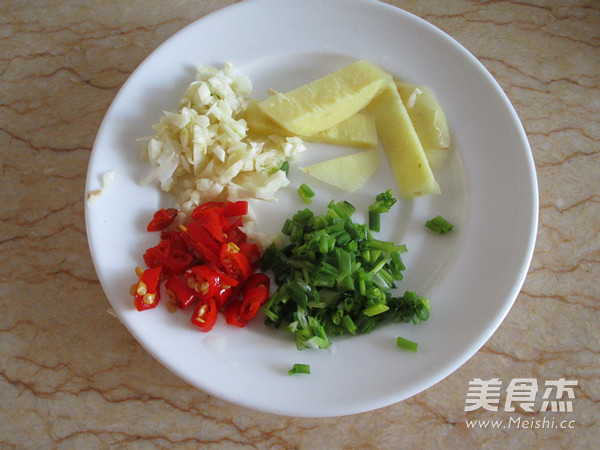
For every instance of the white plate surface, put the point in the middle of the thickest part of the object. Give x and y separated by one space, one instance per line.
471 276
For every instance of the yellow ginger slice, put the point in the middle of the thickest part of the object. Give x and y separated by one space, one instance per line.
429 120
401 143
356 131
327 101
347 172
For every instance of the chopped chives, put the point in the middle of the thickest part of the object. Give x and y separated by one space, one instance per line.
406 344
299 368
439 225
342 209
383 203
374 221
375 309
387 246
306 193
349 324
285 167
334 278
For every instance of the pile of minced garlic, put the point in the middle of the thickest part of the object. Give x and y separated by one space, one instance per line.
202 151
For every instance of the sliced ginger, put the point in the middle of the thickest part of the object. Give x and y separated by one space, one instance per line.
327 101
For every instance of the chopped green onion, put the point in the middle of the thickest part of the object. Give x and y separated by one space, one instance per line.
306 193
375 309
439 225
285 167
387 246
374 221
383 203
349 324
299 368
341 209
406 344
334 278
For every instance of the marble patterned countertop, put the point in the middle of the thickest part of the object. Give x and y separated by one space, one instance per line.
72 376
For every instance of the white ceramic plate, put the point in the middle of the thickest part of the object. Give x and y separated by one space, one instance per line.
471 276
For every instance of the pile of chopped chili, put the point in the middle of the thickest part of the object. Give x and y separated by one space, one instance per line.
208 264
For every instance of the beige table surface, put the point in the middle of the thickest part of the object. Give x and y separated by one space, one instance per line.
71 375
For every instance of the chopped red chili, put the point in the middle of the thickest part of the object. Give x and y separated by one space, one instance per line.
162 219
169 255
208 262
239 208
227 208
204 280
205 314
212 222
255 294
232 314
252 254
234 262
147 293
224 296
235 234
179 291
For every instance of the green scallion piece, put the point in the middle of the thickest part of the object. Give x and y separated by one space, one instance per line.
374 221
439 225
306 193
299 368
406 344
285 167
349 324
375 309
383 203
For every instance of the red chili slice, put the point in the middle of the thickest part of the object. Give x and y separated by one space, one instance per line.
171 259
252 253
226 279
227 208
213 222
205 314
147 293
179 291
208 206
202 236
232 314
205 281
234 262
223 297
200 249
254 298
239 208
174 237
162 219
234 233
257 279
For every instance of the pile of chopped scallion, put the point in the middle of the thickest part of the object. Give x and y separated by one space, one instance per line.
335 278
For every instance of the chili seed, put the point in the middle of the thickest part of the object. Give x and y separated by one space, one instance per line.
149 298
204 288
133 289
200 315
139 271
141 288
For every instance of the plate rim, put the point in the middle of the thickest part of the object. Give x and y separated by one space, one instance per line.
467 352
